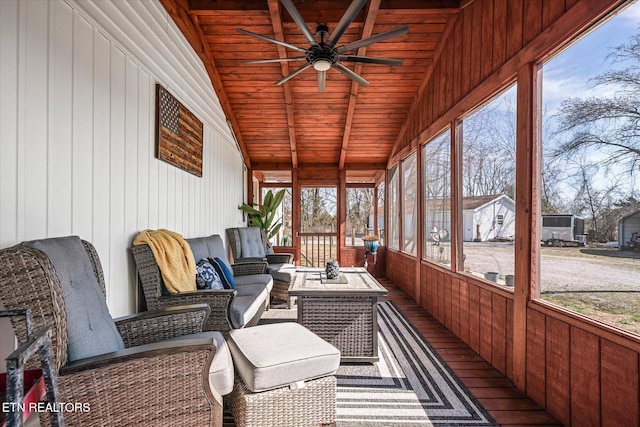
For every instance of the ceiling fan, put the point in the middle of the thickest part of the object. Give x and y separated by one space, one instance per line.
323 53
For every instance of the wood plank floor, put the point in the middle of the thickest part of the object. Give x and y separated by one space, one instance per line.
506 404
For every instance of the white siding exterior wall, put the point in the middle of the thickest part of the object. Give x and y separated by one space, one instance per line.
77 119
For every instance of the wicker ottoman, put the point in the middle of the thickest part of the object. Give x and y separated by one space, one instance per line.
284 377
283 277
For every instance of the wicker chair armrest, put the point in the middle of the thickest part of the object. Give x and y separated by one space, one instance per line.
158 325
279 258
219 300
140 352
136 386
246 268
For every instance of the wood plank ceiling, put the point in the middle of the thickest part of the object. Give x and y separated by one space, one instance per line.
281 127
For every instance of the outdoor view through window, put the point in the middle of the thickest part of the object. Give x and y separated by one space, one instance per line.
437 199
590 255
488 186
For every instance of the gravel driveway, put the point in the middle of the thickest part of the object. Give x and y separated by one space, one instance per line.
563 269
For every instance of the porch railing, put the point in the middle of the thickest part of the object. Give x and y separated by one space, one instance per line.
317 248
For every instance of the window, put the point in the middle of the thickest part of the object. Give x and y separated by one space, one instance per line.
380 218
394 209
488 186
590 207
409 204
500 220
285 234
360 205
437 199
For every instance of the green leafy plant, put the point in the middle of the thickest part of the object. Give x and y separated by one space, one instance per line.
264 215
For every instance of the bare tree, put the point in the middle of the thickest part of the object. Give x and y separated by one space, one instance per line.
489 150
609 124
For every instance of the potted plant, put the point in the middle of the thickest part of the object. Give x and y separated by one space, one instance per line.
371 243
264 215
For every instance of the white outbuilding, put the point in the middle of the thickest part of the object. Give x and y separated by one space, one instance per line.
490 217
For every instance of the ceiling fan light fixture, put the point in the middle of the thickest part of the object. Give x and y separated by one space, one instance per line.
322 65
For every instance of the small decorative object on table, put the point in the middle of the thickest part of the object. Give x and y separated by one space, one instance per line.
332 269
371 243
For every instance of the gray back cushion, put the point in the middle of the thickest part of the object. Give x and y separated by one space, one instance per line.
251 242
90 327
208 247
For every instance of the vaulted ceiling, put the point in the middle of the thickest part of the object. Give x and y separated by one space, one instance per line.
348 126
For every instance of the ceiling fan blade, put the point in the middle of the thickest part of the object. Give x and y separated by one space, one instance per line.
322 79
369 60
266 61
347 72
292 75
349 15
261 37
374 39
299 21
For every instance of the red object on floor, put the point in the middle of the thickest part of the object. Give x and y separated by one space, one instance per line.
34 391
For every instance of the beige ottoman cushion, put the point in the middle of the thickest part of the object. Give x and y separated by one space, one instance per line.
276 355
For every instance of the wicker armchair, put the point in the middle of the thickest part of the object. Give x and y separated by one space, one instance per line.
128 387
279 265
251 284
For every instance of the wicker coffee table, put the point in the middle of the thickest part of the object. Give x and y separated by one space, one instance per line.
343 311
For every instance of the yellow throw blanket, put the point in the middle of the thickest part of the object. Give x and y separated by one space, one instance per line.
174 257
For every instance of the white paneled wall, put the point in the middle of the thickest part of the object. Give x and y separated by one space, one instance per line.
77 117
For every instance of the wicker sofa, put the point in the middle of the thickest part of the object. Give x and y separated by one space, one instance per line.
120 369
230 308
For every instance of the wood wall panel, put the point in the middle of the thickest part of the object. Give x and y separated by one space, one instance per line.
557 369
464 312
401 271
486 329
619 370
455 306
536 329
499 33
474 318
447 300
514 27
486 41
585 378
509 339
532 21
498 335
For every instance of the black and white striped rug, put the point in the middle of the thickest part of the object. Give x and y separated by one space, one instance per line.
409 386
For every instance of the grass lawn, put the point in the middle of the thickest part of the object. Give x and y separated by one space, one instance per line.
621 309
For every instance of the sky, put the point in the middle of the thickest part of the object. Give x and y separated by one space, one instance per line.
568 73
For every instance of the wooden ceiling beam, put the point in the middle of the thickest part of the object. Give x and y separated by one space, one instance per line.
339 6
268 166
284 166
189 26
276 20
367 29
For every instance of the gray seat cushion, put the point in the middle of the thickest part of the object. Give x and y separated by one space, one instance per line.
208 247
255 279
276 355
251 245
252 290
248 301
283 272
221 369
90 327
